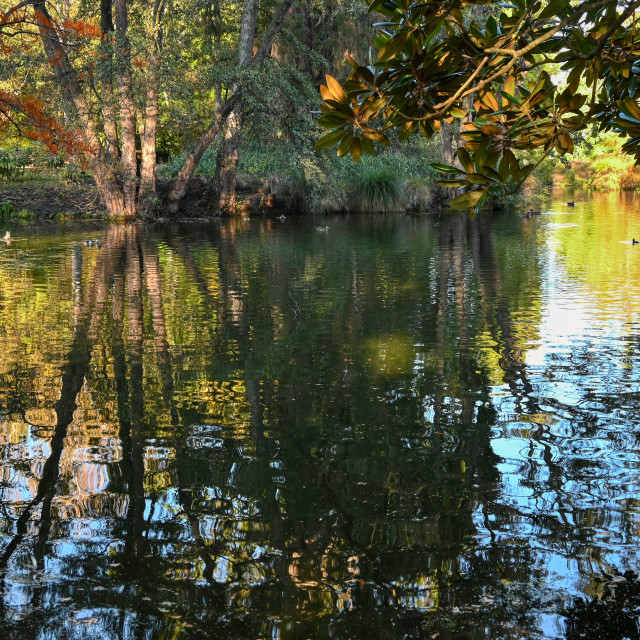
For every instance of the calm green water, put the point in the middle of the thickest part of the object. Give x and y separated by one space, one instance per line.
399 428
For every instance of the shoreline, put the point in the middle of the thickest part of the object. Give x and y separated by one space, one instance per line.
54 200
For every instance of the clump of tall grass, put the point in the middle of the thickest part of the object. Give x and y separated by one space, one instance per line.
377 189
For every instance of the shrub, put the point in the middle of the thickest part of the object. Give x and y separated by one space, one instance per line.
6 210
417 194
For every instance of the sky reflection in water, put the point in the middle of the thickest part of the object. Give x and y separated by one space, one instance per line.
401 427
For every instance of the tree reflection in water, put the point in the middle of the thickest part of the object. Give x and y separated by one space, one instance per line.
261 433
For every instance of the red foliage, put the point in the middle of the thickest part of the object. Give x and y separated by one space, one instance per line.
81 28
26 115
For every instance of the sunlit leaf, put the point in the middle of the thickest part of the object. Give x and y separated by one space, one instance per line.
467 200
336 89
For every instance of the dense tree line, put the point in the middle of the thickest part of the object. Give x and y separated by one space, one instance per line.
117 84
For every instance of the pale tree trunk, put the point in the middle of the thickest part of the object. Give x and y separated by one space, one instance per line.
108 108
185 174
149 136
227 165
127 112
447 143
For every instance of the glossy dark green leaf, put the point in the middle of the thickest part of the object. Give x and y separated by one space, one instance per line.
445 168
393 46
329 140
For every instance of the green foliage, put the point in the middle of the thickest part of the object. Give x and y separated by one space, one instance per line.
433 65
6 210
13 164
377 189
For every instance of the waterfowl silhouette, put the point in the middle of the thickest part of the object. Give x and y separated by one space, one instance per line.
322 228
571 204
282 217
91 243
634 241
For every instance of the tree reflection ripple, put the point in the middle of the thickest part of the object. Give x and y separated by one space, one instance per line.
403 428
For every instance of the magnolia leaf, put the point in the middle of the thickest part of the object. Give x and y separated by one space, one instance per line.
492 173
329 140
509 87
325 93
367 145
477 178
491 130
356 150
467 200
333 119
629 107
376 136
393 46
458 112
452 183
345 145
336 89
553 9
444 168
465 159
565 144
365 75
490 100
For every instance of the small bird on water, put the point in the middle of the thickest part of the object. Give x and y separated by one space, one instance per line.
322 228
634 241
571 204
7 236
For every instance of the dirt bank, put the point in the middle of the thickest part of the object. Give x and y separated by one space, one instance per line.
33 200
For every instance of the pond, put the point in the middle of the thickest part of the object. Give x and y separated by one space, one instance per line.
402 427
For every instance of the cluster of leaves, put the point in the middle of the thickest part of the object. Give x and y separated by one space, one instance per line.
435 65
23 113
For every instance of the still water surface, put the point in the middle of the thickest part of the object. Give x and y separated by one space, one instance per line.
400 428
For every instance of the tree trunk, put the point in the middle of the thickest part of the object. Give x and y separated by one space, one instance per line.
227 164
127 113
177 191
67 79
447 143
149 136
110 125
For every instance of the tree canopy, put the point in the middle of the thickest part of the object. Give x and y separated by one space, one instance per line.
522 75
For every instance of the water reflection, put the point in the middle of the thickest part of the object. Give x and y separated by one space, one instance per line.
252 430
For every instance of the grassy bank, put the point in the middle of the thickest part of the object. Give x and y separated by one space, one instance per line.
276 177
283 177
